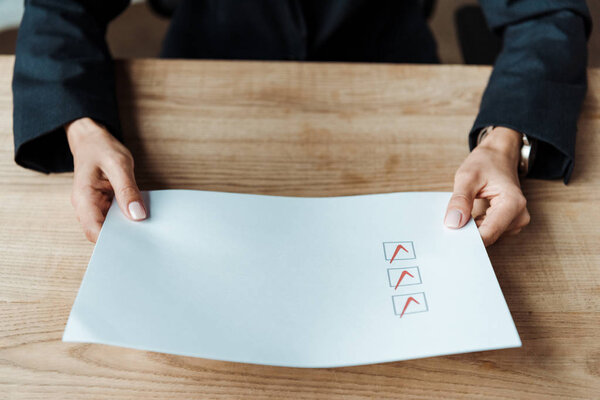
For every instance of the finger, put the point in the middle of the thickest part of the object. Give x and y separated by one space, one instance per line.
479 220
119 172
521 221
89 213
502 212
518 223
480 206
466 187
512 232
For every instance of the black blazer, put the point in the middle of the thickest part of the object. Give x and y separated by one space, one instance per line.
63 69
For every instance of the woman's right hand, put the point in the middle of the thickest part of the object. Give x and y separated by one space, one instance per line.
103 168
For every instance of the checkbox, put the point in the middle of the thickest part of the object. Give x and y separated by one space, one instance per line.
396 251
412 303
404 276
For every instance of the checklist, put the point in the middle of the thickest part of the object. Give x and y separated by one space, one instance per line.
408 276
290 281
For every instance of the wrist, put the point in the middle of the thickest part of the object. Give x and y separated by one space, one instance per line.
82 130
504 140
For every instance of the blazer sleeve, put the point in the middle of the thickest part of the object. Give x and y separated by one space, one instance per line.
539 80
63 71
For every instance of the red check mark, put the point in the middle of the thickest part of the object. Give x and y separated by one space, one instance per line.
407 303
402 275
397 250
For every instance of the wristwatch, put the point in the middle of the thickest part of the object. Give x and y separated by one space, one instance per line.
527 150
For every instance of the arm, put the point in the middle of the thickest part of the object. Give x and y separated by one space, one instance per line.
64 73
537 88
539 79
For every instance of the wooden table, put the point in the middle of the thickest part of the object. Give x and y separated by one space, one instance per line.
304 130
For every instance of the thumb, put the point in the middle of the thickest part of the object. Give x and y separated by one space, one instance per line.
460 205
129 198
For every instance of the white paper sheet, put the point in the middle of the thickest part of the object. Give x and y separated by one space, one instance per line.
303 282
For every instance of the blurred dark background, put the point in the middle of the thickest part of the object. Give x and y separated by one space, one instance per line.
457 25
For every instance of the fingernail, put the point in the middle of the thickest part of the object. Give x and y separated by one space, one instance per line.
136 210
453 219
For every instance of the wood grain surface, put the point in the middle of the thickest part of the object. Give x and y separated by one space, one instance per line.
303 130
